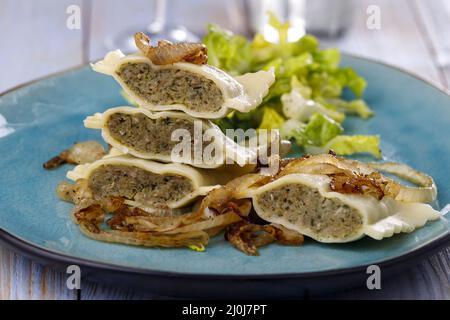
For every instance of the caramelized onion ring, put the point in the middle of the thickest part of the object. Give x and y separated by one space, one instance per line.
426 190
331 165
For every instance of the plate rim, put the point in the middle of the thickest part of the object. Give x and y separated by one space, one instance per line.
49 255
35 250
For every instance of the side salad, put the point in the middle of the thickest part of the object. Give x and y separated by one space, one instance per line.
306 102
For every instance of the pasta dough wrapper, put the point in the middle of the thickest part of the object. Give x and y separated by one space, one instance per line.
305 203
201 181
216 149
242 93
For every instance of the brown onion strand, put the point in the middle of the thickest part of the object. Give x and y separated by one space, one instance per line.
168 53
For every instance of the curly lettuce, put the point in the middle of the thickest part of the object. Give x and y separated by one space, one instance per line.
306 102
317 132
348 145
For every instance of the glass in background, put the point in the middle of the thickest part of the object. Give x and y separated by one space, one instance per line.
196 15
323 18
157 29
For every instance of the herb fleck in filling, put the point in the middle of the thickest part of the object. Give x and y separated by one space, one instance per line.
144 134
134 183
171 86
306 207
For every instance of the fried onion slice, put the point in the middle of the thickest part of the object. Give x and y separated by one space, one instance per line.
248 237
79 153
167 53
371 184
78 193
351 176
91 217
146 239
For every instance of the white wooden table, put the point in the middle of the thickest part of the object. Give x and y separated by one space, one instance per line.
36 42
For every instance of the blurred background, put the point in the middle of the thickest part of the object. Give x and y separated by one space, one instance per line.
46 36
40 37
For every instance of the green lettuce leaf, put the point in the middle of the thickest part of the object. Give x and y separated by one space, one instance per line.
300 87
347 145
227 51
307 43
358 107
200 248
327 60
296 106
325 84
271 119
317 132
350 79
282 29
300 66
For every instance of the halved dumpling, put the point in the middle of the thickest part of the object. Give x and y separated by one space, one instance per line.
201 91
145 183
150 135
305 203
154 136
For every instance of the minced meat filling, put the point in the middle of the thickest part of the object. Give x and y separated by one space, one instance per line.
134 183
171 86
304 206
143 134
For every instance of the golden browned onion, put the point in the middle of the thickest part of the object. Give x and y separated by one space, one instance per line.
134 226
54 162
200 219
347 176
147 239
141 220
248 237
244 237
91 217
218 221
65 191
167 53
228 198
79 153
350 176
77 193
285 236
425 192
227 207
371 184
323 164
223 200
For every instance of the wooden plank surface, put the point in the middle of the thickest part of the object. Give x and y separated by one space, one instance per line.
399 41
433 19
406 39
413 36
21 278
35 42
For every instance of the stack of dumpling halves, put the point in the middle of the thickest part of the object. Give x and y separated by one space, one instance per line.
174 92
150 186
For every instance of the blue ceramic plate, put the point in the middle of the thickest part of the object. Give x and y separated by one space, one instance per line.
39 120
